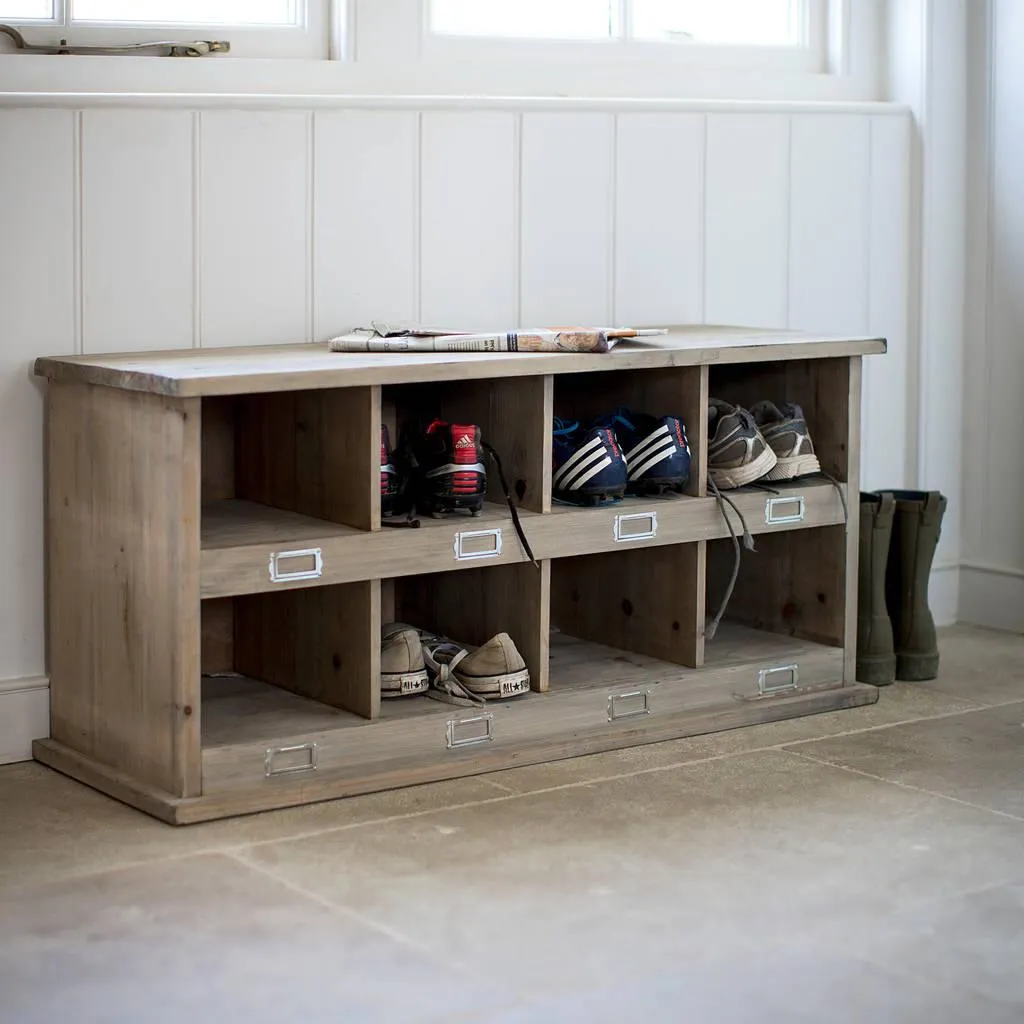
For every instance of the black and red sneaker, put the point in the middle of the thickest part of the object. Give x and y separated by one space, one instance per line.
389 479
447 468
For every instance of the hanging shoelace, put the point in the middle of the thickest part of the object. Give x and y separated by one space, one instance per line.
520 532
748 543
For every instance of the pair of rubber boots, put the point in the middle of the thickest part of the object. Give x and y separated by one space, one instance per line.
899 531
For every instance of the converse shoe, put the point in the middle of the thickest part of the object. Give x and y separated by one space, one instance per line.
589 467
737 452
389 481
655 449
472 675
402 669
785 430
446 467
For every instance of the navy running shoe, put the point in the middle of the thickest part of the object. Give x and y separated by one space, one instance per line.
588 465
655 448
389 480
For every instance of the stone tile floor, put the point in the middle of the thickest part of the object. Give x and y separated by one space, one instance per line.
865 865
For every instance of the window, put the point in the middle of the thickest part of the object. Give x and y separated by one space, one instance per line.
288 28
776 23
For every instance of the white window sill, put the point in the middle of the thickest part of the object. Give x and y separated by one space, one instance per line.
227 81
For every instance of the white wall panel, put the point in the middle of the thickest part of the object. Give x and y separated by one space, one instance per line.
886 419
566 218
746 221
469 188
829 223
255 227
364 218
37 317
659 204
137 230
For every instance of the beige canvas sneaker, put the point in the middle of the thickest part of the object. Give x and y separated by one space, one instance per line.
402 669
462 673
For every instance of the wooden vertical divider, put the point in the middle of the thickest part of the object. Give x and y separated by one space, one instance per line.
472 605
851 474
321 642
123 506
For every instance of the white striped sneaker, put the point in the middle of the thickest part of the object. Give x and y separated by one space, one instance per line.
589 466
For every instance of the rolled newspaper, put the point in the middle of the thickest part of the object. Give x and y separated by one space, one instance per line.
560 339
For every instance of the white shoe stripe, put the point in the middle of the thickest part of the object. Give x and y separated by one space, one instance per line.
653 458
590 446
581 480
567 483
650 439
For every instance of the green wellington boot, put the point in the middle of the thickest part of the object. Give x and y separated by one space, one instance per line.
876 657
915 535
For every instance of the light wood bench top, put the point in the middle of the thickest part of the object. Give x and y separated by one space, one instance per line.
198 372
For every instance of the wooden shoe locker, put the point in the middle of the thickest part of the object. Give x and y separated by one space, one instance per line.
218 573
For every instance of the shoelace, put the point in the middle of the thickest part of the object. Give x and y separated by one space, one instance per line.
441 656
520 532
748 542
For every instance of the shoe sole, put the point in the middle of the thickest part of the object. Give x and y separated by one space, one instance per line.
403 684
878 671
508 684
740 476
646 488
443 505
791 468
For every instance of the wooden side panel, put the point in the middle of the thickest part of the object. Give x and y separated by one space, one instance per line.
313 452
820 386
855 376
322 643
645 600
473 605
123 521
794 583
676 391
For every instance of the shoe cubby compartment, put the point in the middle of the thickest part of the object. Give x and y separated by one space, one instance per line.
821 387
790 619
219 570
514 416
673 391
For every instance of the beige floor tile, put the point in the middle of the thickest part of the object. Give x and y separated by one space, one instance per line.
52 826
641 873
980 664
207 938
978 757
898 703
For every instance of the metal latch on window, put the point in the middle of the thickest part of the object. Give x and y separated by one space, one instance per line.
199 48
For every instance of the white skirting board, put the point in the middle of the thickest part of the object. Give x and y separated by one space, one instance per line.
992 596
24 716
944 593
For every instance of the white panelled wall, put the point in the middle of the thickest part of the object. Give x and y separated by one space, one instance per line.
159 227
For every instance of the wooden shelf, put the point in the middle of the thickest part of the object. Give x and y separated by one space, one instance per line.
221 510
240 537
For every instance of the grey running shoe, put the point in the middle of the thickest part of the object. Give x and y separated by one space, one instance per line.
785 430
402 669
737 453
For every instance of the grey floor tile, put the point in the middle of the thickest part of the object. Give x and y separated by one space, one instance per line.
207 938
978 757
974 941
899 703
787 983
646 872
981 664
52 825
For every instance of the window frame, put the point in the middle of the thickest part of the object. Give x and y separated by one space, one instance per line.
808 57
307 40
